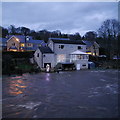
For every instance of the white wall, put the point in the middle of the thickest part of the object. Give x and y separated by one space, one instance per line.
68 48
49 58
82 63
51 44
38 59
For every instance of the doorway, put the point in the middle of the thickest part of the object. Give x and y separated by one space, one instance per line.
78 66
45 64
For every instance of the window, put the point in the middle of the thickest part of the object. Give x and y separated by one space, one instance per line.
37 54
61 58
79 47
22 45
93 46
29 45
13 44
61 46
79 56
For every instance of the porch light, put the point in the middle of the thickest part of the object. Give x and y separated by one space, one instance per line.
13 50
89 53
22 45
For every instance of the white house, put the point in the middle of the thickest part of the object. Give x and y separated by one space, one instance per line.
61 50
43 56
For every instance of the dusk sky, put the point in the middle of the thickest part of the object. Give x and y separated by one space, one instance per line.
68 17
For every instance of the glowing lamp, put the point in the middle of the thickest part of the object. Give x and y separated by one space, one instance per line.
17 39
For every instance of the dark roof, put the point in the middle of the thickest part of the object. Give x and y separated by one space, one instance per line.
59 38
67 41
3 40
31 40
37 41
45 49
88 43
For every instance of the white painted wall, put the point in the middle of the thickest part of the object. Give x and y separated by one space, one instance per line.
49 58
82 63
68 48
38 59
51 44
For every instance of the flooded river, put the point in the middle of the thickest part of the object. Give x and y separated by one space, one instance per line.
74 94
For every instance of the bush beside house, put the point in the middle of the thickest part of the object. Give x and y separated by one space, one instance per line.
17 63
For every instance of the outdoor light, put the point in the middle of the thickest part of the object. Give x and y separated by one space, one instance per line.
17 39
47 68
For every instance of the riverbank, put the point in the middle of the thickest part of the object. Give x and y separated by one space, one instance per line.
19 63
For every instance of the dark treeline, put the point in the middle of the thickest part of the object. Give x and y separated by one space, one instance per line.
107 36
38 35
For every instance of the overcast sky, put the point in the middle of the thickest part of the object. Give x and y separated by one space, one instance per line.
68 17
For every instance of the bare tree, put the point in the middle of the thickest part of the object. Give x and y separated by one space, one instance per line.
12 29
4 32
109 28
109 31
25 31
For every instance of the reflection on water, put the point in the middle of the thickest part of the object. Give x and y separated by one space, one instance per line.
30 105
16 87
47 77
70 94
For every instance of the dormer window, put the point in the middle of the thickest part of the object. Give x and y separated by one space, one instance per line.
61 46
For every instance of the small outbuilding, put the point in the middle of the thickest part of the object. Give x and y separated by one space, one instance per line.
44 56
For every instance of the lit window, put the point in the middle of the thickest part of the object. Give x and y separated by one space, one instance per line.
17 39
89 53
61 58
22 45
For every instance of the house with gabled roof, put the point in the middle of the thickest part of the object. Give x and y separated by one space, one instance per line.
43 56
92 47
23 43
64 51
